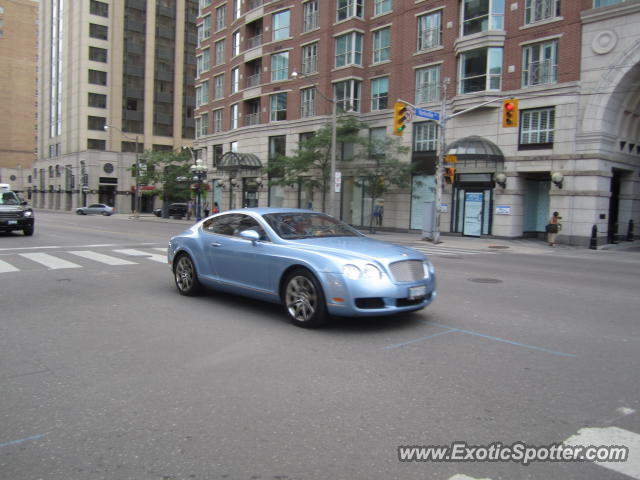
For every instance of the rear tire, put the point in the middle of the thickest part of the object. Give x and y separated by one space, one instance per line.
304 300
186 277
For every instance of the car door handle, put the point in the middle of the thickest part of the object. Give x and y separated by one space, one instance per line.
216 244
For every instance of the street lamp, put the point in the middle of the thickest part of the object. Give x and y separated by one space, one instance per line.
136 208
199 171
333 210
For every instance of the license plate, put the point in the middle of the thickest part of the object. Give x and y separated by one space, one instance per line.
415 292
12 222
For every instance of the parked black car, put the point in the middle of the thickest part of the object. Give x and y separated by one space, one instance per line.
174 210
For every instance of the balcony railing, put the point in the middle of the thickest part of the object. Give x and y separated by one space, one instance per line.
255 4
253 80
309 65
254 42
539 73
252 119
429 38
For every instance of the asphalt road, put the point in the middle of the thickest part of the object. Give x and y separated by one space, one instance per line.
107 373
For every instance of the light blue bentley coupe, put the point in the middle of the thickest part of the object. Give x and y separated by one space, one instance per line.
313 264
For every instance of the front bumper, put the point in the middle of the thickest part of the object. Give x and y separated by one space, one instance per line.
360 298
10 224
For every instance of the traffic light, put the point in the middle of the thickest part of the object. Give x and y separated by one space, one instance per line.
399 118
510 112
449 174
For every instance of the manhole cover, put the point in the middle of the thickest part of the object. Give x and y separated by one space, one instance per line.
485 280
498 246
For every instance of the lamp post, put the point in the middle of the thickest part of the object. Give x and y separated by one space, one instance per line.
199 171
333 210
136 203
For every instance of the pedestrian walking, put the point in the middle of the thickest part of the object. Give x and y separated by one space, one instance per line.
207 208
553 228
378 212
189 209
216 208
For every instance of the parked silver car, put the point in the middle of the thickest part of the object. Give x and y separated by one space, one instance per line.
96 208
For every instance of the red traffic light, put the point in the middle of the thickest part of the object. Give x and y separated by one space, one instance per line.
509 106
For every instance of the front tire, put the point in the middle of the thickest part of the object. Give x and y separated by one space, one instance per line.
28 231
186 277
304 300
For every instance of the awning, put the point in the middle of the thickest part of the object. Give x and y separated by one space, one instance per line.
233 162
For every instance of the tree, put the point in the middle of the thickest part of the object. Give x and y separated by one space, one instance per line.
170 170
310 165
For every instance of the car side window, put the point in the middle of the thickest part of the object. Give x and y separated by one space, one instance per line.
232 224
249 223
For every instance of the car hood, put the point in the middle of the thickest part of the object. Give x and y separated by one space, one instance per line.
364 248
12 208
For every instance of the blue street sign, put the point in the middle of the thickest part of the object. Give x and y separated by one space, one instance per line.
421 112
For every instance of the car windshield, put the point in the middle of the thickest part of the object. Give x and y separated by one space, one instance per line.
294 225
9 198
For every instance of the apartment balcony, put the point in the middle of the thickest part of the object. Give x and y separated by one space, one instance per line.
253 80
252 119
254 41
254 4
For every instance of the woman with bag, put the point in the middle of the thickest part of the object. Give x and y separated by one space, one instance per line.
553 228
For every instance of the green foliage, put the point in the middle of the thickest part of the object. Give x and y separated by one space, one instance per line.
169 170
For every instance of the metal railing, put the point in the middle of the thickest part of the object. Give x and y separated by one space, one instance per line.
252 119
254 42
539 73
253 80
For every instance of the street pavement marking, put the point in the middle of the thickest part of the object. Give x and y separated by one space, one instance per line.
448 250
99 257
139 253
612 436
49 261
459 476
160 249
6 267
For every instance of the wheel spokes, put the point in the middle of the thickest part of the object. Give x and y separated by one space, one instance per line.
301 298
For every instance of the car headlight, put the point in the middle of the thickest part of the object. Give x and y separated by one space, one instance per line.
371 272
27 213
427 267
351 271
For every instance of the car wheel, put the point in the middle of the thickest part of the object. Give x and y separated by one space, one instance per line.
304 300
186 276
28 231
106 214
79 212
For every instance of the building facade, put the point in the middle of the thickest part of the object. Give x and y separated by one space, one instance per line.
18 97
572 66
116 79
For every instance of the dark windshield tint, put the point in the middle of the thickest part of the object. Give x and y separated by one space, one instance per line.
9 198
306 225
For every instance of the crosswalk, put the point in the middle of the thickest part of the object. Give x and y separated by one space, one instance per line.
434 250
68 259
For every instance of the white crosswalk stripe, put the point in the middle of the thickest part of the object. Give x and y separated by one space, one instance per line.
7 267
49 261
102 258
433 250
139 253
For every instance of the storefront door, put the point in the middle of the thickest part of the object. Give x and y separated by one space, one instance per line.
473 214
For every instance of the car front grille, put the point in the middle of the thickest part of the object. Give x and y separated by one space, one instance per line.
407 270
10 215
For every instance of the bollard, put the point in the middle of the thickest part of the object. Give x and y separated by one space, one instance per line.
614 237
593 245
630 232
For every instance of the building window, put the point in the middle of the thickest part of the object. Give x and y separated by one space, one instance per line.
202 94
378 139
482 15
281 22
217 154
95 144
99 8
218 87
349 49
347 95
204 4
277 147
429 31
235 80
310 16
307 102
348 8
428 84
206 27
538 10
235 44
278 107
279 66
605 3
310 59
203 62
233 114
382 45
237 9
219 46
217 121
536 128
540 64
480 70
382 6
202 125
221 17
97 77
425 137
380 93
97 100
100 32
98 54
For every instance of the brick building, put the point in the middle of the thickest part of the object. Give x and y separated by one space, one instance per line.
458 57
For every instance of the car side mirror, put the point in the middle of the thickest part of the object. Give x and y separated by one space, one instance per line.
250 235
24 203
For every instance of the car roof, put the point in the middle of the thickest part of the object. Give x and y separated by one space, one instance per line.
267 210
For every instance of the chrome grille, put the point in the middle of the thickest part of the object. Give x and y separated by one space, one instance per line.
407 270
10 214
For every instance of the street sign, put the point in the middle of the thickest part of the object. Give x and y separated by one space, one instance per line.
431 115
450 158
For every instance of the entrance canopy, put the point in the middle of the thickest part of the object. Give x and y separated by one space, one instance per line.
476 151
233 162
